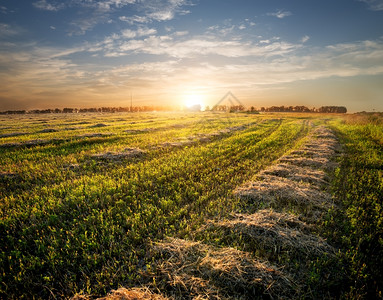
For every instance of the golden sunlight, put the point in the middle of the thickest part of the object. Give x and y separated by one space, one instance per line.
194 99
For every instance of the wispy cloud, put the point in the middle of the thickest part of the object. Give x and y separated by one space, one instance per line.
375 5
7 30
157 11
305 39
280 14
102 11
228 27
110 4
135 19
141 31
178 46
101 5
3 10
50 6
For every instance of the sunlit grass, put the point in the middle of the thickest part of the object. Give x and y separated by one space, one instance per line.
71 222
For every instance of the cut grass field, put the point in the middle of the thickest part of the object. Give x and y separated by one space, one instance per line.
191 206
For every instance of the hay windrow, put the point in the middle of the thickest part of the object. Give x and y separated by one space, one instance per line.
317 153
316 163
12 134
138 130
175 144
30 143
278 192
271 234
330 149
194 268
119 156
133 294
92 135
48 130
126 294
98 125
296 173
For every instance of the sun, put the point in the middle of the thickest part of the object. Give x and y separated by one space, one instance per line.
193 100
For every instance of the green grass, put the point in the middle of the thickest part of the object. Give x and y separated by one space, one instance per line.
88 229
358 225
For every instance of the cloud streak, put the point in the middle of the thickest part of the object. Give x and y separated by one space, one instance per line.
147 11
178 46
375 5
49 6
7 30
159 11
280 14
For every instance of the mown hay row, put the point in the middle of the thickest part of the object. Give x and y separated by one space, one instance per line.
315 163
126 294
98 125
92 135
270 234
139 130
279 192
31 143
297 178
193 269
296 173
12 134
317 153
119 156
200 137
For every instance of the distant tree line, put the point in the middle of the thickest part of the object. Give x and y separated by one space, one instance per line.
239 108
149 108
322 109
232 108
68 110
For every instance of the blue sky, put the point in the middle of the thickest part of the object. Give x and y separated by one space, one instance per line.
87 53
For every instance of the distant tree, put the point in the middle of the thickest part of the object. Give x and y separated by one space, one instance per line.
68 110
235 108
219 108
333 109
13 112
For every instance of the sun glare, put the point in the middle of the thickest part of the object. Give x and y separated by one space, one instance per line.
192 100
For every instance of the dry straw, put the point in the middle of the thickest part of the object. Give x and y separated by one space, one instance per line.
278 192
272 234
118 156
198 271
298 178
296 173
126 294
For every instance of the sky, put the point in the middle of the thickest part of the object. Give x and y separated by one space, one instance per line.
94 53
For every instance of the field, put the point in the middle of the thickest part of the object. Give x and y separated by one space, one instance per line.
191 206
